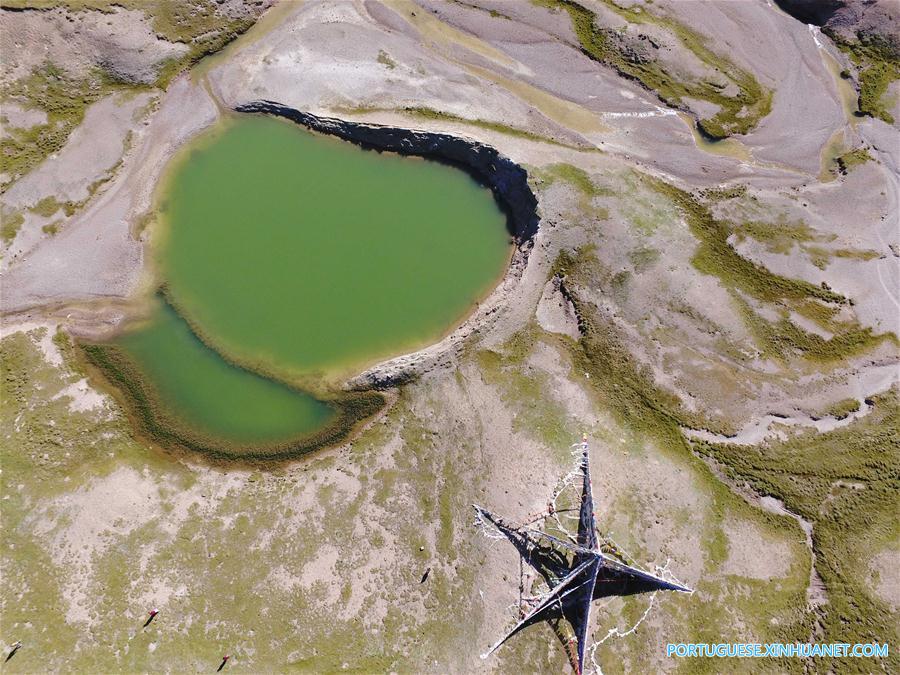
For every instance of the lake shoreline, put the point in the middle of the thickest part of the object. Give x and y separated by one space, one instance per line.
359 399
508 182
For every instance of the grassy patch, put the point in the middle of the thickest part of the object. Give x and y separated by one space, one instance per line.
52 228
46 207
64 98
526 391
850 160
846 482
577 176
724 193
737 114
643 258
582 182
878 68
843 409
782 339
779 237
717 257
10 225
385 59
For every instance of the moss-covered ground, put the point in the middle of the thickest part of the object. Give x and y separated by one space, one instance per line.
64 98
317 566
850 160
846 483
878 66
780 339
738 113
99 528
199 24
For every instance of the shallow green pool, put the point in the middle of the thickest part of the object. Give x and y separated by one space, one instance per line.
211 396
307 254
298 256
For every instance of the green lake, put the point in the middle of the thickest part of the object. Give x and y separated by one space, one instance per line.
305 258
304 254
208 394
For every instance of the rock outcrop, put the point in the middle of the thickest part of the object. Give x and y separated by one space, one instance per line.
506 179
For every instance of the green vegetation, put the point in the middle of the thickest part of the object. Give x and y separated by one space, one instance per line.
200 24
843 409
643 258
52 228
779 237
46 207
782 338
582 182
821 256
846 483
385 59
850 160
878 67
526 393
737 114
577 176
717 257
64 98
724 193
9 227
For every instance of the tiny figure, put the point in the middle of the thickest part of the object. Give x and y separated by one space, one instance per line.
153 613
425 576
12 652
224 661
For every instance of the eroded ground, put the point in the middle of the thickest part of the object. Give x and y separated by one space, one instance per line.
719 319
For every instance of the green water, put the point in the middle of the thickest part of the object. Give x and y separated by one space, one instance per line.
300 255
305 254
210 395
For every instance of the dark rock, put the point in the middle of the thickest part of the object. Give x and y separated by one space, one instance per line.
506 179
